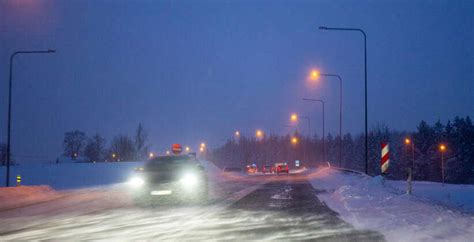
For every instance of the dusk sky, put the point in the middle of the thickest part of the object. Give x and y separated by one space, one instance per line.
194 71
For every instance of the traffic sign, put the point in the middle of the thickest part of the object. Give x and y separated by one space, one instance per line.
176 149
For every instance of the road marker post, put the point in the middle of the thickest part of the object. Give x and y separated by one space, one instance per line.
385 161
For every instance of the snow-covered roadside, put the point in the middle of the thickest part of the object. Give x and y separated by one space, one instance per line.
367 204
13 197
71 175
453 195
79 175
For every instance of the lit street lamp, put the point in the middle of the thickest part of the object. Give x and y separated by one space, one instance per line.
315 77
442 149
365 71
294 140
411 143
259 134
294 118
151 155
324 143
187 149
10 105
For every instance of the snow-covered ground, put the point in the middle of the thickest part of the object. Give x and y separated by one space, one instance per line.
453 195
71 175
368 204
78 175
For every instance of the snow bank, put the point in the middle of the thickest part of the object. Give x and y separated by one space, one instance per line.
367 203
72 175
452 195
13 197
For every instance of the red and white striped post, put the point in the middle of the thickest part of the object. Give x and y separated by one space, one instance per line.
385 162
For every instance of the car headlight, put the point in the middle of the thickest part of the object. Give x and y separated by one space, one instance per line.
189 179
136 181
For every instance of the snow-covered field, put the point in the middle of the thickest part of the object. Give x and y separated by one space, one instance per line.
453 195
368 204
71 175
78 175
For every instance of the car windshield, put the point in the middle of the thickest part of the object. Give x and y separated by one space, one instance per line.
238 120
169 163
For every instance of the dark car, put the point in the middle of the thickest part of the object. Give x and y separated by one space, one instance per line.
180 178
268 169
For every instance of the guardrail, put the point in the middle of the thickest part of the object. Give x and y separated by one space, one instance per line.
348 170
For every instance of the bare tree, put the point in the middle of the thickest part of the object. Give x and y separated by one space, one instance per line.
123 147
73 143
141 137
95 148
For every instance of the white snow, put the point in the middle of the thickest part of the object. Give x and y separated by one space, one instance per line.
368 204
13 197
453 195
78 175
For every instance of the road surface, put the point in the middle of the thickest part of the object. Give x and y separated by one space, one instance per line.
266 207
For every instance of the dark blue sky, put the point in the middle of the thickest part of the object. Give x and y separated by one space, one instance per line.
195 71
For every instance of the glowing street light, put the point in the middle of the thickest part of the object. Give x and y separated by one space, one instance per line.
151 155
201 149
167 152
187 149
314 75
259 134
442 149
237 133
319 74
294 117
294 140
203 145
411 143
114 155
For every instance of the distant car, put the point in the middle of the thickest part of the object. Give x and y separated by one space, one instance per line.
282 168
268 169
252 169
232 169
180 177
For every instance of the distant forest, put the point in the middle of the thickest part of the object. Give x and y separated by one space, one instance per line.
457 136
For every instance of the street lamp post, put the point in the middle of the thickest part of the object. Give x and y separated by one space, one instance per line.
442 149
340 112
411 142
10 104
322 103
365 68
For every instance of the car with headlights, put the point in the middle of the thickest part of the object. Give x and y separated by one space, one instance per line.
252 169
282 168
179 178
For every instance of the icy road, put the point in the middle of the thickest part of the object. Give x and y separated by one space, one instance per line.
281 207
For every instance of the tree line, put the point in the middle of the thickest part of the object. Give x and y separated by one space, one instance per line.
457 135
122 147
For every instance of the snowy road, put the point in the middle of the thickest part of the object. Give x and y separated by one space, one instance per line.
257 207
